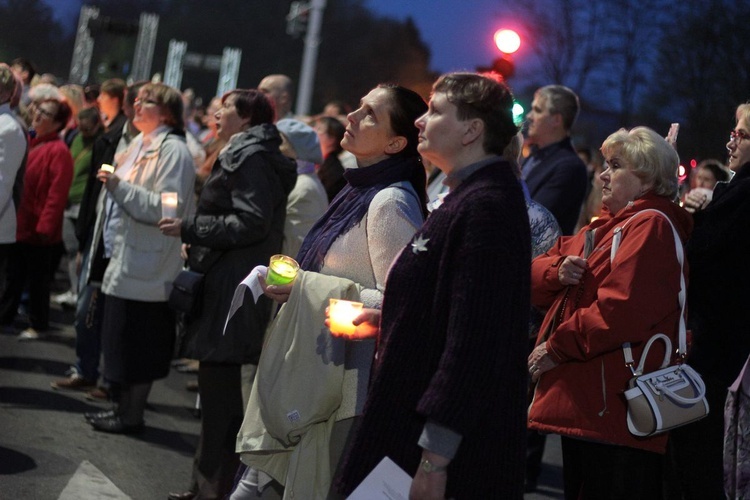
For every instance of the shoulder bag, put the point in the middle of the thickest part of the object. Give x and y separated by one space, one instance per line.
671 396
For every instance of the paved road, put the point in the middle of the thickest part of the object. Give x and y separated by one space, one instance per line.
48 451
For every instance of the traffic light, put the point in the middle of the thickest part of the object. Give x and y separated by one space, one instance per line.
504 65
508 42
518 113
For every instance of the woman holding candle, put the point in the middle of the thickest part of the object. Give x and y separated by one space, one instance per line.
447 399
365 227
138 327
239 224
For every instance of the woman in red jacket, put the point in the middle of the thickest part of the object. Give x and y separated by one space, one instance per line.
46 182
595 304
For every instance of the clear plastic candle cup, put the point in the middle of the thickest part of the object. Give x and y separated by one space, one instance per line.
169 205
341 314
281 270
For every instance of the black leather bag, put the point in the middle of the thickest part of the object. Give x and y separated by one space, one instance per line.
187 292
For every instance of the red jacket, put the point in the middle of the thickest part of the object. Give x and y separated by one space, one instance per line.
627 300
49 173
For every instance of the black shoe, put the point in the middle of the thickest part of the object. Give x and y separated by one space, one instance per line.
98 415
115 425
187 495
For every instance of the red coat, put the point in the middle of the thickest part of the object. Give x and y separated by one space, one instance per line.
49 173
628 300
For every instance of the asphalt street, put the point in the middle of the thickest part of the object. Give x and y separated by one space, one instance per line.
48 451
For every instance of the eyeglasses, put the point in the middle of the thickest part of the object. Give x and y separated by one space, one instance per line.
145 102
737 136
46 113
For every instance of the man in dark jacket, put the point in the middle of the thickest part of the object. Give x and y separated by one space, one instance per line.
555 175
557 179
117 137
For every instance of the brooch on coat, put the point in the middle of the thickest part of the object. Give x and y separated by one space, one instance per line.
419 244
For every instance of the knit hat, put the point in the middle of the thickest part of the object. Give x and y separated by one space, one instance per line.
303 139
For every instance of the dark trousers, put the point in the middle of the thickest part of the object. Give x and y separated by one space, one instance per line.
597 471
216 461
29 264
5 253
88 325
696 450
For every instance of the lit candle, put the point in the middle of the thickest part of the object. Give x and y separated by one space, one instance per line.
281 270
169 205
107 168
342 313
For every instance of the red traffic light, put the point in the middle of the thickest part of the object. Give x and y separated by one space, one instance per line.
507 41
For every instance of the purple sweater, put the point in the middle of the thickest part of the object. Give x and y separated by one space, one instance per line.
453 340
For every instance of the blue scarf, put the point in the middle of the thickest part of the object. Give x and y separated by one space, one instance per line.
351 204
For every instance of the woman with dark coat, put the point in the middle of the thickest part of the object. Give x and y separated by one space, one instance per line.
447 396
238 225
717 314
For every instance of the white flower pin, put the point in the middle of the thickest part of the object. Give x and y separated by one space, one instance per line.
419 244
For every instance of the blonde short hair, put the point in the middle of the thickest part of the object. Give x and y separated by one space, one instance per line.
649 155
743 111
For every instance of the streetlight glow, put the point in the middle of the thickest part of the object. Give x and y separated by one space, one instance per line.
507 41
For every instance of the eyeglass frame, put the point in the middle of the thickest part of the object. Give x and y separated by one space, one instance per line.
46 113
737 136
144 103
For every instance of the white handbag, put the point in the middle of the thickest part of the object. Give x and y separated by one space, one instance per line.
671 396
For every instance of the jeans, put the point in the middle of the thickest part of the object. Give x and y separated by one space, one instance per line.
88 323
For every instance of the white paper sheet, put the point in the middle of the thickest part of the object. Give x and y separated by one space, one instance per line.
386 481
251 281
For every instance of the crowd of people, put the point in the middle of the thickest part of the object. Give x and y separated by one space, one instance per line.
501 271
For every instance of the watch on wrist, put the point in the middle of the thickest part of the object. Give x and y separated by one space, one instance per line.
429 467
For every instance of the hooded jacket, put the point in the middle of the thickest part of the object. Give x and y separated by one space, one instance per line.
628 299
238 225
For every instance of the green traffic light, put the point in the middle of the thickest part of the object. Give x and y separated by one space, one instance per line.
518 112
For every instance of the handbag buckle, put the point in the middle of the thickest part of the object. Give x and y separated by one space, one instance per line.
632 370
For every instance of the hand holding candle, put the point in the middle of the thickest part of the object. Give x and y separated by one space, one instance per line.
351 321
281 270
107 168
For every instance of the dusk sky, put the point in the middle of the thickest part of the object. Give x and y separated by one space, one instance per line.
459 34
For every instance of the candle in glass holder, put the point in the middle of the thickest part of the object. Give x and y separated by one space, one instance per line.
281 270
169 205
107 168
341 314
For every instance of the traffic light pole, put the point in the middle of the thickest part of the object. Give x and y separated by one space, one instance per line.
310 57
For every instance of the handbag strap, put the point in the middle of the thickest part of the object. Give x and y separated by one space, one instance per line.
682 330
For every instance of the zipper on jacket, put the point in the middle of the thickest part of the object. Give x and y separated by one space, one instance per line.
604 392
